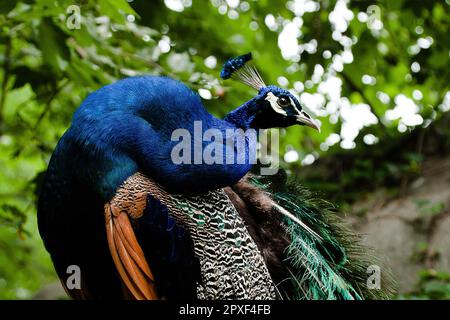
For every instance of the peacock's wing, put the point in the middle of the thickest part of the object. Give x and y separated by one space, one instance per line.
225 262
153 256
126 251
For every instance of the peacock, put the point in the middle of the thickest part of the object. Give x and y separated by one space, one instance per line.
141 224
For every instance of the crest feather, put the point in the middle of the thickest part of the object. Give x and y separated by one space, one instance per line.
236 68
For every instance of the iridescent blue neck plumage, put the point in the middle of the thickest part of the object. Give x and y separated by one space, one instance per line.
243 116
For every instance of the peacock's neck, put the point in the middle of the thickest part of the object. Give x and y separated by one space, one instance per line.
243 116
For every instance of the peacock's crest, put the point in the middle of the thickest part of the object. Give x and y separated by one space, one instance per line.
237 68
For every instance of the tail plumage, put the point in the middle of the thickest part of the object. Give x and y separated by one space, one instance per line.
322 258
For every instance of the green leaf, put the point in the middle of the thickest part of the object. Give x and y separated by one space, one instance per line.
7 6
115 9
52 42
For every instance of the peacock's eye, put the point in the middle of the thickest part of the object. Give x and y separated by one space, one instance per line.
284 101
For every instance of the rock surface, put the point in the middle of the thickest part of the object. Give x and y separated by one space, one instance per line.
412 232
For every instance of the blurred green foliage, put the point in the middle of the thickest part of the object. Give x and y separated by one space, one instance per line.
49 64
432 285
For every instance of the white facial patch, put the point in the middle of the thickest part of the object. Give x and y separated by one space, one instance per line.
274 104
295 107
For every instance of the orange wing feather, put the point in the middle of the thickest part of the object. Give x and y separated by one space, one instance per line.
125 250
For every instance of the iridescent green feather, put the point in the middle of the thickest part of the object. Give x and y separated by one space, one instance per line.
331 266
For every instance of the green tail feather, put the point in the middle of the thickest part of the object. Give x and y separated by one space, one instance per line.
332 266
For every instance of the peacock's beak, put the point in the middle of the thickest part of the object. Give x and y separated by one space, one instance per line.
305 119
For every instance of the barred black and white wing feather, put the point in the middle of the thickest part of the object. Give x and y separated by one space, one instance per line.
230 263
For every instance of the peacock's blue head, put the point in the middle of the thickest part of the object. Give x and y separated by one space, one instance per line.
277 107
273 106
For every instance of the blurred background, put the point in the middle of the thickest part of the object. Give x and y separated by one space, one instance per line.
375 73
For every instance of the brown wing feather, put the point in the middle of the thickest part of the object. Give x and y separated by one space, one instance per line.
125 250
